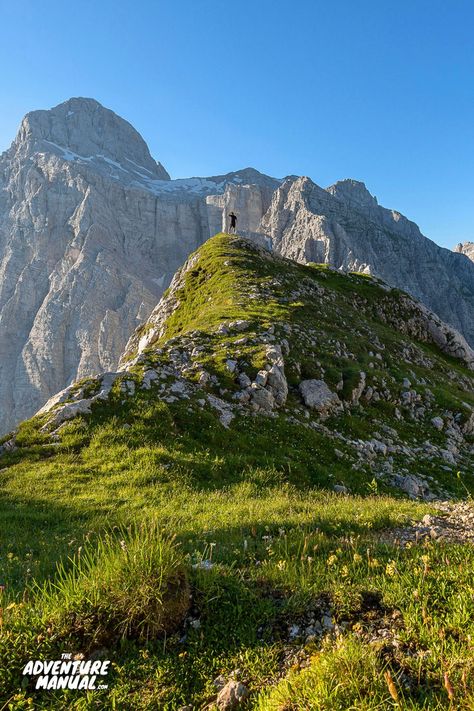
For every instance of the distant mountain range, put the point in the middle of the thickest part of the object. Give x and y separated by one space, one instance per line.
92 230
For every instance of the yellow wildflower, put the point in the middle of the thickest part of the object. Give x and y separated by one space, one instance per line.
391 568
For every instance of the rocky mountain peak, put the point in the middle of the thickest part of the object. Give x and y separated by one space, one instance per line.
83 128
352 191
247 176
466 248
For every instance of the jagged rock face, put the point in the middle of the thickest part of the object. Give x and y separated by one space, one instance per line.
466 248
345 227
83 127
91 231
242 197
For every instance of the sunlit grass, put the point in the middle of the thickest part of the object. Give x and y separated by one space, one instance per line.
98 529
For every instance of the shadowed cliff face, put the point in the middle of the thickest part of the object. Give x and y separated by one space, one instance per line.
345 227
91 231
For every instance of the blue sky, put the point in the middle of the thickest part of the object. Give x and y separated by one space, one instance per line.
378 91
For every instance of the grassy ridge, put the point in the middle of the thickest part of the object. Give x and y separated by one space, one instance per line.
261 541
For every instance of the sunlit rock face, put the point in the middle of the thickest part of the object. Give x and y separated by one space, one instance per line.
344 226
91 231
466 248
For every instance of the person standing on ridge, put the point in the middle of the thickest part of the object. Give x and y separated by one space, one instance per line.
233 222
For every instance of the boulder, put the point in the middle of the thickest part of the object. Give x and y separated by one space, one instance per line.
262 399
359 389
438 423
277 384
412 485
232 695
244 380
468 427
261 378
319 397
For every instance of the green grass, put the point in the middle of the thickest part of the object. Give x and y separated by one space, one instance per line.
124 586
245 516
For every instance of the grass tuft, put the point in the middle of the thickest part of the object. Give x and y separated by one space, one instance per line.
130 585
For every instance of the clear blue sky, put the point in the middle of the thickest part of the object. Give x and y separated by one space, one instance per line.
377 90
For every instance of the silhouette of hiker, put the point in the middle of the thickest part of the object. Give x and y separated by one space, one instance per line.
233 222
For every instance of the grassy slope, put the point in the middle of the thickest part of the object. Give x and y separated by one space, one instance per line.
250 499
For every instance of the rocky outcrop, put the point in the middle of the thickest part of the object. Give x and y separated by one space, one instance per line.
466 248
232 695
249 201
317 396
409 316
344 226
91 231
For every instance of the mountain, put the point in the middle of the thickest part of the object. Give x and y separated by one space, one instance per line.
344 226
466 248
234 500
91 231
241 333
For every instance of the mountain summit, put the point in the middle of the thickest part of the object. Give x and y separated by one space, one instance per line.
466 248
83 129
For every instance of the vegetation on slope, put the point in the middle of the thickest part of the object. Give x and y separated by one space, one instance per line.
268 550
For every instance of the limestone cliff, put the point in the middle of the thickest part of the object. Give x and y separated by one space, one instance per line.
345 227
91 231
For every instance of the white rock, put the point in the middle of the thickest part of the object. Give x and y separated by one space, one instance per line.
318 396
244 380
277 384
231 365
327 623
232 695
466 248
261 378
262 399
358 390
437 422
224 409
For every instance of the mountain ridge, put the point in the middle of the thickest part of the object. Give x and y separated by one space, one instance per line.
270 481
88 242
92 230
307 223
